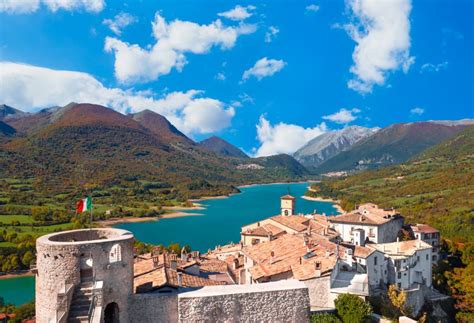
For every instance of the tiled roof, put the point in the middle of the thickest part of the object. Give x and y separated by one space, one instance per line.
401 248
362 252
368 213
423 228
213 265
289 251
288 197
296 222
149 276
264 230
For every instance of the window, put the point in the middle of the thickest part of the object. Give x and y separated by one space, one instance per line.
417 258
427 257
115 254
399 275
399 285
375 261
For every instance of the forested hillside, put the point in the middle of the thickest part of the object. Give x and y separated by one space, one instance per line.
435 187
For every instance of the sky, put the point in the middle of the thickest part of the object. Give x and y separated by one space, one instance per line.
267 76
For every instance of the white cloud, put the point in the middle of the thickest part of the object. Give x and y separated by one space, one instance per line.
264 67
283 138
15 6
312 8
238 13
381 30
29 6
220 76
429 67
343 116
119 22
173 41
271 34
417 111
30 87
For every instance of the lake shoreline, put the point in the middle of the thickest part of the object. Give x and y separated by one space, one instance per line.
321 199
114 221
26 273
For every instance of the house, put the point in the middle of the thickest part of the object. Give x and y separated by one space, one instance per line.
368 223
165 273
429 235
408 263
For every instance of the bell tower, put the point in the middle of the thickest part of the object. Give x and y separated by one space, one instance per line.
287 205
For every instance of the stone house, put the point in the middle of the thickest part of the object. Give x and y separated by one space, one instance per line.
429 235
368 223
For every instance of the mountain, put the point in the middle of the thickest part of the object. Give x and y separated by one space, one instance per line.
79 144
329 144
435 187
160 126
221 147
281 162
7 112
391 145
6 130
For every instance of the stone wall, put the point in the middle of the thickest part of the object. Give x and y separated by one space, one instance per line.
284 301
148 308
318 289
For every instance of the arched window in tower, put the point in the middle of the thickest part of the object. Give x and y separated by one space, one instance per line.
115 254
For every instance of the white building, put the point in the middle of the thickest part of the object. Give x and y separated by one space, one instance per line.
408 263
368 223
429 235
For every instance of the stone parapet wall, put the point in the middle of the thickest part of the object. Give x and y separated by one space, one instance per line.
283 301
153 308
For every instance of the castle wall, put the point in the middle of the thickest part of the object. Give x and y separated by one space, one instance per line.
284 301
151 308
61 256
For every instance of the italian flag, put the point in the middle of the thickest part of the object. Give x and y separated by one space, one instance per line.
84 205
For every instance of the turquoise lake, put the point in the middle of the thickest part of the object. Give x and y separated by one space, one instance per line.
17 290
218 224
221 220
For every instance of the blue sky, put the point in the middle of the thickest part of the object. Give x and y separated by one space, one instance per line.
266 76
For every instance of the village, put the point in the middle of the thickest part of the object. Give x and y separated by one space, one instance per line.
358 253
284 268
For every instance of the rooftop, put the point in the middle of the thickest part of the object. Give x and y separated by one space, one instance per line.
402 248
296 222
287 197
423 228
369 214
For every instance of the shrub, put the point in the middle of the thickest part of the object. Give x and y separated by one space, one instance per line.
352 309
324 318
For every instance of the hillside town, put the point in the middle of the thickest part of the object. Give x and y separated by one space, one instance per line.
284 268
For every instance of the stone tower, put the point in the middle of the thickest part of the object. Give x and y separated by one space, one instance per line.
287 205
96 263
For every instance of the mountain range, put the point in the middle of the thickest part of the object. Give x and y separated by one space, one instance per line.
331 143
221 147
394 144
87 144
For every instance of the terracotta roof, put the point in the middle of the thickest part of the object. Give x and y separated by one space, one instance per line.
296 222
287 197
401 248
213 266
367 213
362 252
290 252
264 231
423 228
149 276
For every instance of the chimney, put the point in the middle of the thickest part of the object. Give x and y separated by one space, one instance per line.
180 279
235 264
318 269
156 261
272 256
328 253
398 239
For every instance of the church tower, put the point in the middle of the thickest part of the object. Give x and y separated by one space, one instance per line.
287 205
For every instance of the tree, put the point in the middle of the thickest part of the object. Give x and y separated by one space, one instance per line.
399 300
28 258
325 318
352 309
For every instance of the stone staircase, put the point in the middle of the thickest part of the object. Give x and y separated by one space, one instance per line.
81 301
